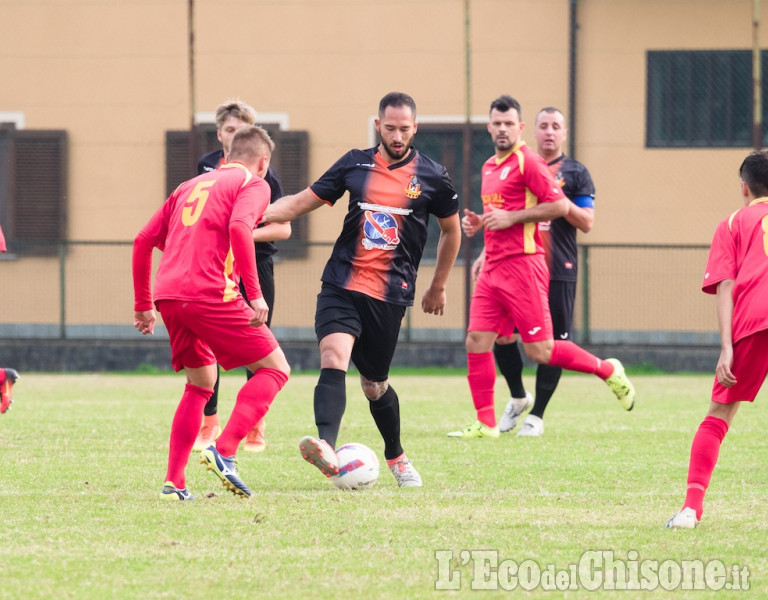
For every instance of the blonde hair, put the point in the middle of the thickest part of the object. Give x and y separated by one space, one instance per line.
237 109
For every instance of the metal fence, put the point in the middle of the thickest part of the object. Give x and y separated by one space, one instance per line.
628 294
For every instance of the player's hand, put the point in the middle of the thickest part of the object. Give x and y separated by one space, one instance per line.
477 267
723 369
471 222
260 313
433 301
496 219
144 321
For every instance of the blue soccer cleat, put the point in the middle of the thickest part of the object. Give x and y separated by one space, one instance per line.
225 469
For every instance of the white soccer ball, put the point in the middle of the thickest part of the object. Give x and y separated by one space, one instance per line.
358 467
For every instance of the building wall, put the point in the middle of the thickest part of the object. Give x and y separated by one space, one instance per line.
114 74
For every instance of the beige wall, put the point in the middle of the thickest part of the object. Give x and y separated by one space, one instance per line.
114 75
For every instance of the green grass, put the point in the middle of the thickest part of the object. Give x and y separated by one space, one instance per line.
84 458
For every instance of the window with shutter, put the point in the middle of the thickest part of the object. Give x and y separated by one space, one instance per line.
33 190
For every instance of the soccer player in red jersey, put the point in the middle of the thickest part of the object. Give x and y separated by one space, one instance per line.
561 250
518 191
232 115
205 231
370 277
7 376
737 272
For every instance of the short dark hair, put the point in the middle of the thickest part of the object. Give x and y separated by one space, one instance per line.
396 99
754 172
550 110
505 103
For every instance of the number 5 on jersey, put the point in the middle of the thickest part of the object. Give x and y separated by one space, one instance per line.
195 202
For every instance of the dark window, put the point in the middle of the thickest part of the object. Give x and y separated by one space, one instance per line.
701 98
290 161
33 189
445 144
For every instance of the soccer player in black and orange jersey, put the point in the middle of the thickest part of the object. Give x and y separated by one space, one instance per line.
369 279
518 192
232 115
559 240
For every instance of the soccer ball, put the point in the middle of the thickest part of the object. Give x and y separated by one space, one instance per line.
358 467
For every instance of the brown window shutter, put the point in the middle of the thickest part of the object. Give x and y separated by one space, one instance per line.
178 162
291 162
39 205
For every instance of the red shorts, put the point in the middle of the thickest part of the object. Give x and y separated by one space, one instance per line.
204 333
513 294
750 367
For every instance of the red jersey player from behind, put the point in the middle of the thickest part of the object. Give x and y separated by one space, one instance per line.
737 272
518 191
205 232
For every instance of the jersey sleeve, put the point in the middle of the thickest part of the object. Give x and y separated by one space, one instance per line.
721 262
540 181
584 189
152 235
332 184
446 200
275 185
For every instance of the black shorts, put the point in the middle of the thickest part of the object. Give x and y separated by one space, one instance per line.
561 299
266 271
374 323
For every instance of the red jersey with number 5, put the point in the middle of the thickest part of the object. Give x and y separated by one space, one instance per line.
740 252
192 230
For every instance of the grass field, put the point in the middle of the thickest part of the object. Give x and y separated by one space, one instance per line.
84 458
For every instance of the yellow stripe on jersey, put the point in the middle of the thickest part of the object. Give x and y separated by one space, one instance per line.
248 174
230 288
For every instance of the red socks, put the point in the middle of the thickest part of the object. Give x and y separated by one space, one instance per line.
252 404
186 424
704 452
574 358
481 374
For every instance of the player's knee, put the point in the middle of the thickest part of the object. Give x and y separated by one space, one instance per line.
538 353
373 390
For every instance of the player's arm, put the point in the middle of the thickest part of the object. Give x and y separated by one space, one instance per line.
240 239
477 266
272 232
498 218
288 208
151 236
582 218
433 301
725 322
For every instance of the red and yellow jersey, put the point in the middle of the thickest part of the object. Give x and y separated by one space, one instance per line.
385 228
192 230
517 181
739 252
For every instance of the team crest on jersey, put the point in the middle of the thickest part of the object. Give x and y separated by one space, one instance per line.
559 179
504 172
414 188
380 231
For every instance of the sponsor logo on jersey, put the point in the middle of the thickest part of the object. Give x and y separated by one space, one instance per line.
380 231
414 188
568 265
366 165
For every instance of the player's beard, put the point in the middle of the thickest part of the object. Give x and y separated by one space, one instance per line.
396 155
503 143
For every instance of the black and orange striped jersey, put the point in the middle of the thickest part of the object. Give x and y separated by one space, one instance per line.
385 228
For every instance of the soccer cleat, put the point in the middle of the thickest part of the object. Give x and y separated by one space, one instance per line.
515 408
6 397
533 426
621 385
254 441
404 471
209 431
225 468
171 493
476 430
685 519
319 453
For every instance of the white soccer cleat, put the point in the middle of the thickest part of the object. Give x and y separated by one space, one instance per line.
685 519
405 473
533 426
515 408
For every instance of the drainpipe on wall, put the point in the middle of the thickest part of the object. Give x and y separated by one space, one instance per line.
573 27
757 105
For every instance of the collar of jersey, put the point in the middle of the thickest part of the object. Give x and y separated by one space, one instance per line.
514 149
411 155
